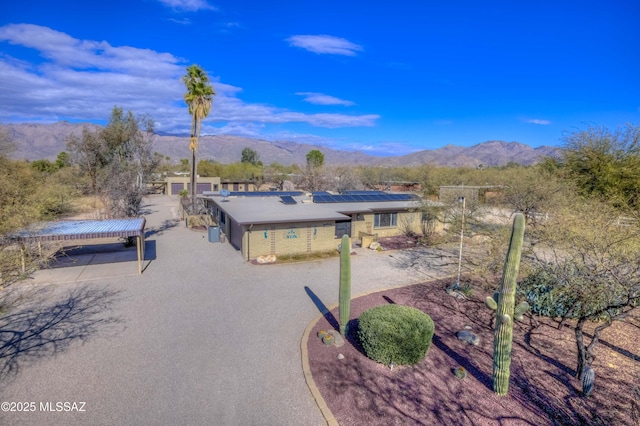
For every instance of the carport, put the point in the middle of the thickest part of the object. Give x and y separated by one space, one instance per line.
89 229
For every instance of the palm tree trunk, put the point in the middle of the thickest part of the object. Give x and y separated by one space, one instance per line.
195 133
194 172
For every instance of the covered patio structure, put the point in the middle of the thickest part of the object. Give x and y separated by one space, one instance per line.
74 230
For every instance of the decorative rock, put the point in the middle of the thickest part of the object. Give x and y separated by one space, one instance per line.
340 356
457 294
468 337
328 339
338 340
374 246
271 258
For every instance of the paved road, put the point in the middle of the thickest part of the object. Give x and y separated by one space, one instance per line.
201 337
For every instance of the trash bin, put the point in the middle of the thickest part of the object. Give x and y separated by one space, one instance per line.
214 234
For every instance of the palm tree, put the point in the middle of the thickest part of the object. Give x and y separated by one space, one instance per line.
198 98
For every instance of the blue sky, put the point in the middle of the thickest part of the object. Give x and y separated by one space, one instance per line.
385 78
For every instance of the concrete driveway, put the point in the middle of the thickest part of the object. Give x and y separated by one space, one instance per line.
201 337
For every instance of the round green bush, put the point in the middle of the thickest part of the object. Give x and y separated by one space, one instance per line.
395 334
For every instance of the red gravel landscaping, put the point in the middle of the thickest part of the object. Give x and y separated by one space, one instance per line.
543 391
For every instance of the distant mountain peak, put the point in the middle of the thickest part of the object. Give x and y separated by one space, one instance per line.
35 141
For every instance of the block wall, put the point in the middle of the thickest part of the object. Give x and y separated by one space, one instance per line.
288 239
405 221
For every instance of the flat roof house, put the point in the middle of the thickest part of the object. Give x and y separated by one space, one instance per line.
286 223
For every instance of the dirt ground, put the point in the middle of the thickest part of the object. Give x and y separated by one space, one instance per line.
543 389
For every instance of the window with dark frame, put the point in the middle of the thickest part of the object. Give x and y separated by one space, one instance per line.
385 220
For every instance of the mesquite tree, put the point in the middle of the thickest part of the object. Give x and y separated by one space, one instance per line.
118 160
586 269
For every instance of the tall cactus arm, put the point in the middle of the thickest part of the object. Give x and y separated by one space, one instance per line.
520 310
492 302
344 299
503 333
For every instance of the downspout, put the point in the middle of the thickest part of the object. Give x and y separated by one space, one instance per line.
249 243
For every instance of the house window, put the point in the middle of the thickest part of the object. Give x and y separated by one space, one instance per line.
385 220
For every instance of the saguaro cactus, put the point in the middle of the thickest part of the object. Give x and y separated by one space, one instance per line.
503 302
344 298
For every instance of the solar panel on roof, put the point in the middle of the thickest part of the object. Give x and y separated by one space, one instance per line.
371 196
265 193
288 199
358 192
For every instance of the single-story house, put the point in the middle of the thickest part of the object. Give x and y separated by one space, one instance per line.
239 186
175 184
286 223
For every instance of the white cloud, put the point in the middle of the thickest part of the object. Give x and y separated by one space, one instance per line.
325 44
184 21
83 79
65 50
188 5
322 99
228 27
249 130
537 121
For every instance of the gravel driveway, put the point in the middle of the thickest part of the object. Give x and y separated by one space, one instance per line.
201 337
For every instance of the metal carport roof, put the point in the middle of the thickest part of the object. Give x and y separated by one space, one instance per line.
88 229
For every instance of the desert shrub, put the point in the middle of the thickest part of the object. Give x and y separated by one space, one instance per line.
395 334
460 373
542 292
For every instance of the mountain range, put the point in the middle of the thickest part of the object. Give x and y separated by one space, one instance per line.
35 141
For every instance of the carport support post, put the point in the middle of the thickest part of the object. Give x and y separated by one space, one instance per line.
140 250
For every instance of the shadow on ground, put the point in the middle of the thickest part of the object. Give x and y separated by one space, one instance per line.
39 325
100 254
322 308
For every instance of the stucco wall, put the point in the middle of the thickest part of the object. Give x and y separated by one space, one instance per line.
177 183
296 238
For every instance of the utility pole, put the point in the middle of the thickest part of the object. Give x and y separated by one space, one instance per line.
460 200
